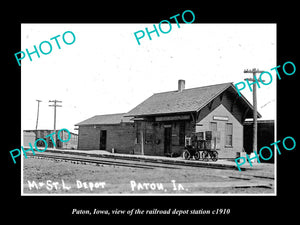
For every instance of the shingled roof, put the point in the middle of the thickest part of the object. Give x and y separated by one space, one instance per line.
108 119
187 100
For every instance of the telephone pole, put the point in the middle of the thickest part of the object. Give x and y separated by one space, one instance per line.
254 71
37 118
55 105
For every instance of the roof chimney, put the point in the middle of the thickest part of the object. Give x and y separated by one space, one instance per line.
181 85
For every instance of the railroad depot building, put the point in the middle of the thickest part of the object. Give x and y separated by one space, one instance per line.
165 122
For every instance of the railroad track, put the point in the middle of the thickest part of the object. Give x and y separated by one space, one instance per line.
127 162
98 161
139 163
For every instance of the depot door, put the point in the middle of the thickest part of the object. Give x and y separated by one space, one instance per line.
102 139
167 140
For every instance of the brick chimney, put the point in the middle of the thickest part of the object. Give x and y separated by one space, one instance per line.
181 85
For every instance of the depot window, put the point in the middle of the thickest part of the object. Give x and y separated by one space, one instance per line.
228 134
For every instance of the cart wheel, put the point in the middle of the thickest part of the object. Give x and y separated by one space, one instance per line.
205 155
197 155
186 155
214 156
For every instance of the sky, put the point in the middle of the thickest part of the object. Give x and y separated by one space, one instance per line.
105 71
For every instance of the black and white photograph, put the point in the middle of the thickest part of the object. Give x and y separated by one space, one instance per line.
156 117
150 111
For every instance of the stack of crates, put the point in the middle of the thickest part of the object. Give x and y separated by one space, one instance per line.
207 140
212 140
200 140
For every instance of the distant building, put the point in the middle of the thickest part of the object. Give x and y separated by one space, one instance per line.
265 136
165 122
30 136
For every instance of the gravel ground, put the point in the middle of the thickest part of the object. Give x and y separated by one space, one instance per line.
44 176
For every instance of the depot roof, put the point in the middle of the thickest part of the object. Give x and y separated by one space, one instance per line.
187 100
108 119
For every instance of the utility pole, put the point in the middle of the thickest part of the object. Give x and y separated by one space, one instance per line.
37 118
55 105
254 71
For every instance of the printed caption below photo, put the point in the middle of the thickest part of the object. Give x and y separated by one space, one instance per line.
155 211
